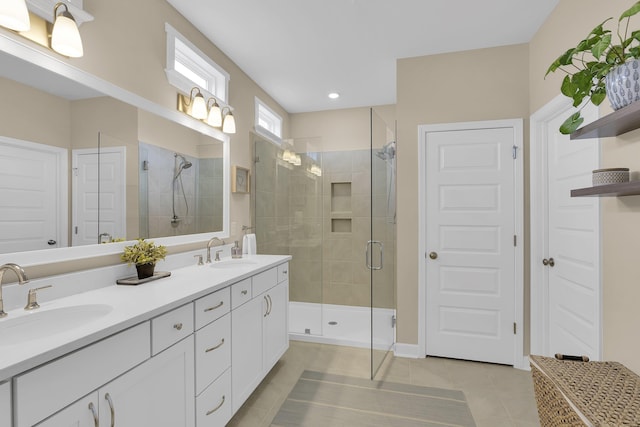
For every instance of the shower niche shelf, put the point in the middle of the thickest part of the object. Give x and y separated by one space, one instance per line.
341 207
341 225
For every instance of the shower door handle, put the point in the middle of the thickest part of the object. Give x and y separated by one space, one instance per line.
370 243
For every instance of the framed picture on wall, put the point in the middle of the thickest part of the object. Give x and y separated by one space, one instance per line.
240 180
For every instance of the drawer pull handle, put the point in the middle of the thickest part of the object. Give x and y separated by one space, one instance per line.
112 409
92 408
215 347
266 311
244 292
214 307
178 326
284 272
217 407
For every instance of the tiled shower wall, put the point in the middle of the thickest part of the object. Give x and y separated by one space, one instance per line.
324 223
202 185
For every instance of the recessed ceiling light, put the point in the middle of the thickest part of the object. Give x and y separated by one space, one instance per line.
334 95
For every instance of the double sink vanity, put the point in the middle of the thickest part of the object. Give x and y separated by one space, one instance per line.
186 350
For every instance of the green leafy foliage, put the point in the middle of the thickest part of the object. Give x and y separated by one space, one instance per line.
587 64
143 252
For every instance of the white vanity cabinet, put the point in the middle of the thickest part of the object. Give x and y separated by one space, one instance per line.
5 404
157 393
259 331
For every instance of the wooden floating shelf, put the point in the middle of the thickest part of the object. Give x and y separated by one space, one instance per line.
621 121
631 188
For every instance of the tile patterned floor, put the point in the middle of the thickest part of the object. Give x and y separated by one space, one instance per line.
497 395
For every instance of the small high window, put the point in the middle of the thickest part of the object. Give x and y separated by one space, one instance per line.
268 122
188 66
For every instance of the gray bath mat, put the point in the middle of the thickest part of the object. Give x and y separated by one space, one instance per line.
326 400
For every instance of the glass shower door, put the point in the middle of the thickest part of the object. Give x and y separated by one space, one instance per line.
382 243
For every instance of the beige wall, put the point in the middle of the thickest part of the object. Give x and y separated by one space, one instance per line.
487 84
570 22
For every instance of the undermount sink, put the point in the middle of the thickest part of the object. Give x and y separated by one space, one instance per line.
233 263
45 323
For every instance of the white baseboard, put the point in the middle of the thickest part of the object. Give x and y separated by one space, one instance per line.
411 351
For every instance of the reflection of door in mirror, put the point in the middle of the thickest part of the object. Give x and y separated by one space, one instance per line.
98 205
33 207
179 194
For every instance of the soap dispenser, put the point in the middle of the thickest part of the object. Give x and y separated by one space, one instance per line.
236 251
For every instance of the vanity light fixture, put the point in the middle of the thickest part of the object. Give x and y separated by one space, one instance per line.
228 122
198 106
215 113
286 156
65 36
14 15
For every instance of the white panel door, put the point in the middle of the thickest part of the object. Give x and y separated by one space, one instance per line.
106 215
573 245
470 228
33 196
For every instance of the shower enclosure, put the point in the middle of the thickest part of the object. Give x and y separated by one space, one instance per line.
334 212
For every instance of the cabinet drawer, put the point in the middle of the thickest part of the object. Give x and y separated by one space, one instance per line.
213 351
283 272
49 388
171 327
265 281
240 293
212 307
213 406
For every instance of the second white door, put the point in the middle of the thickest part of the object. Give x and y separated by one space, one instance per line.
471 238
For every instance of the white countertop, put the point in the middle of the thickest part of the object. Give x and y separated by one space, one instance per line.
131 305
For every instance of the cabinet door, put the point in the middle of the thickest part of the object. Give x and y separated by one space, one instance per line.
158 393
276 324
5 405
246 350
83 413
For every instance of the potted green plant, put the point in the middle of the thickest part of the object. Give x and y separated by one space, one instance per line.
602 65
144 254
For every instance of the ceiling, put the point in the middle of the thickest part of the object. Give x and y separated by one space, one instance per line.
300 50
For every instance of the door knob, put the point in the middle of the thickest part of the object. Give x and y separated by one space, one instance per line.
433 255
550 262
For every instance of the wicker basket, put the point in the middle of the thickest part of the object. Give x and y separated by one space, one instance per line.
609 176
571 393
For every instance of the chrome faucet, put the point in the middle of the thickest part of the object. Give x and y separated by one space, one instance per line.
22 279
209 244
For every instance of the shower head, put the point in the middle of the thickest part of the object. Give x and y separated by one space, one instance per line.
184 164
388 152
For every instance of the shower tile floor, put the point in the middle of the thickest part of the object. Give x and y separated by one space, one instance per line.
497 395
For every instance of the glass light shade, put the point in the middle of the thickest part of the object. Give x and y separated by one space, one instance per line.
229 124
215 116
14 15
199 107
65 37
286 156
297 160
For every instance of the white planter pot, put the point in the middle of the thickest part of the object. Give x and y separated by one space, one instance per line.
623 84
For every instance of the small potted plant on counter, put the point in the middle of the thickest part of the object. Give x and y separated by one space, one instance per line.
602 65
144 254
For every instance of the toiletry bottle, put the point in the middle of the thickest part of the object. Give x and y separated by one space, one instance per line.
236 251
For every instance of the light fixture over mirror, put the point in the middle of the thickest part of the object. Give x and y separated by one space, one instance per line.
215 114
208 112
228 122
65 36
198 106
14 15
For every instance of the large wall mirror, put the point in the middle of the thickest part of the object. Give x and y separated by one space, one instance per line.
81 167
